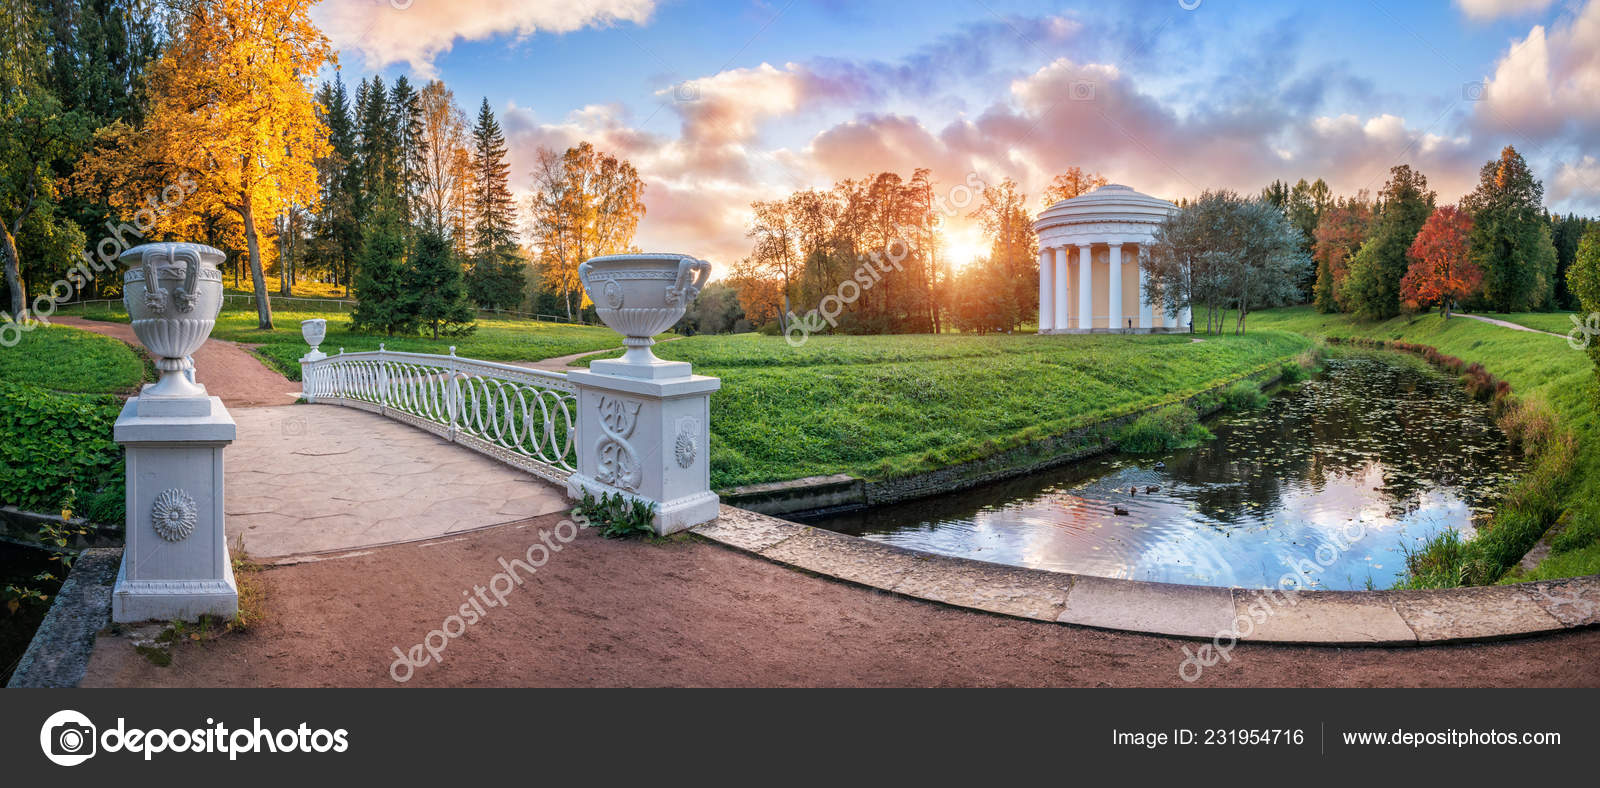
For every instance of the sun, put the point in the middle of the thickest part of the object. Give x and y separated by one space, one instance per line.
962 249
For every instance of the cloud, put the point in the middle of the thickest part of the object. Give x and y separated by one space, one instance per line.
417 31
1542 95
1492 9
1268 121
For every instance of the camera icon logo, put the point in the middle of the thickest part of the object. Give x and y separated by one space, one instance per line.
1082 90
67 738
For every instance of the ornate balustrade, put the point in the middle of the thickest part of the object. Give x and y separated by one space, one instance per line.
523 417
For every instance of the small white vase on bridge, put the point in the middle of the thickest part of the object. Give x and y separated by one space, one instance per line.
314 331
644 423
175 564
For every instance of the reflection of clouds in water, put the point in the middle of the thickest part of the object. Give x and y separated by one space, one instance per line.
1397 463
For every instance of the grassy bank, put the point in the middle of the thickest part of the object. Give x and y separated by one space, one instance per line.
59 396
889 406
494 340
1556 389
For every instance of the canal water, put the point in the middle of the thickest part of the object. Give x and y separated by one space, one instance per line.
1330 483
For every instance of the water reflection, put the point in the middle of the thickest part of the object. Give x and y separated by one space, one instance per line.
1333 479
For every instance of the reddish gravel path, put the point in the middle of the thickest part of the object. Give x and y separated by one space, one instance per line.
605 613
225 369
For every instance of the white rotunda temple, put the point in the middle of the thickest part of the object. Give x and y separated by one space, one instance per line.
1090 279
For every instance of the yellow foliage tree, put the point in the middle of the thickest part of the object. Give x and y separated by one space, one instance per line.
230 107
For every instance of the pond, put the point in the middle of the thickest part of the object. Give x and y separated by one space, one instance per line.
1330 483
19 566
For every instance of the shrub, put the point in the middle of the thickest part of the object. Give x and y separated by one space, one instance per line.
1244 395
52 443
1172 427
618 517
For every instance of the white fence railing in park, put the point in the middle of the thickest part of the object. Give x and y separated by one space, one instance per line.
524 417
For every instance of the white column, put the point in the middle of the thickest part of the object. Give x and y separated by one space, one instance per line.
1114 292
1060 280
1047 291
1085 287
1146 312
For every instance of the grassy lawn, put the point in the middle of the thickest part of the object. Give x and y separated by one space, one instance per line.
886 406
1537 367
69 360
497 339
59 392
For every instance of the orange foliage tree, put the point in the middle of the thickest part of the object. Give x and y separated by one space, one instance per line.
230 107
1441 271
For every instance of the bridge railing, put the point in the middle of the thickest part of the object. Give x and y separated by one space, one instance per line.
524 417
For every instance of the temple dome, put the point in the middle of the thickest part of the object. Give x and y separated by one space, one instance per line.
1112 202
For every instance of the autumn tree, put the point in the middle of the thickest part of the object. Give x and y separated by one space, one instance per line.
585 203
1013 248
441 179
1340 231
1442 272
1373 286
1072 183
230 105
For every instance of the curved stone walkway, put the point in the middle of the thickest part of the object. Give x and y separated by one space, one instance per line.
309 479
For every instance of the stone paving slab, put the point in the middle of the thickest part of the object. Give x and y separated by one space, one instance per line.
1160 608
1366 617
1012 591
747 530
1574 602
846 557
1457 614
314 478
1345 618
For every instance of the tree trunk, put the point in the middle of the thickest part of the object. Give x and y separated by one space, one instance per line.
258 282
14 284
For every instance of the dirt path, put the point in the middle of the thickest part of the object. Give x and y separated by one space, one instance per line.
225 369
1506 324
604 613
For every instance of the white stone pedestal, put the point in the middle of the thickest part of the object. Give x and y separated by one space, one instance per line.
175 564
645 433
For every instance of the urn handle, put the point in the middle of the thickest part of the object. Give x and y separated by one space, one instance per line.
684 289
186 294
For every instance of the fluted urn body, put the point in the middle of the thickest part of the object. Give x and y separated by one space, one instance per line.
641 295
173 292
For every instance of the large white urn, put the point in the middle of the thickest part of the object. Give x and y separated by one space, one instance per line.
173 292
639 296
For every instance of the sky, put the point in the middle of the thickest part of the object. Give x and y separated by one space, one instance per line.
721 103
